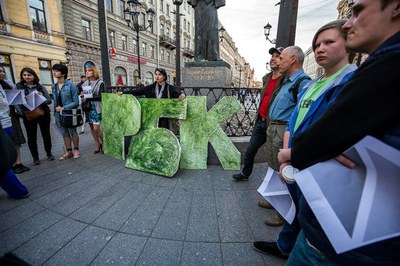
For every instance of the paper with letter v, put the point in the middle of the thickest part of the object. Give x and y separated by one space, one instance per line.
277 193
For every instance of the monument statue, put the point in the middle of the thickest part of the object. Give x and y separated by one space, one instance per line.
206 29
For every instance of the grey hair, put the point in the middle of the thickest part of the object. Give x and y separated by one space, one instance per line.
296 51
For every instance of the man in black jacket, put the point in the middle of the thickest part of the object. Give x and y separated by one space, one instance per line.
368 105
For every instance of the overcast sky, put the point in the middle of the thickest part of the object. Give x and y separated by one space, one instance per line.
244 20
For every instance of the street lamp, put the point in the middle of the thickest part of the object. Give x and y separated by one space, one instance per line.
177 3
267 29
132 13
240 69
221 33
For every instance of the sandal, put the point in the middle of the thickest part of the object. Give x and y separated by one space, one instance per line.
67 155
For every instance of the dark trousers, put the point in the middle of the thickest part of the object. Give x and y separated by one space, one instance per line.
31 131
257 139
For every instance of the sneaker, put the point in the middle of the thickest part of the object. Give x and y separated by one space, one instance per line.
270 248
36 161
50 157
23 167
17 169
82 132
67 155
240 177
76 154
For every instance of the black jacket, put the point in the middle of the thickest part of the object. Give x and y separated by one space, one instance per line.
367 105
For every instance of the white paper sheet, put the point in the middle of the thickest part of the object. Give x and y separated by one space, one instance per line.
277 193
15 97
87 92
360 206
33 100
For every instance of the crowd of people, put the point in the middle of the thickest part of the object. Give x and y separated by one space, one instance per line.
329 115
301 121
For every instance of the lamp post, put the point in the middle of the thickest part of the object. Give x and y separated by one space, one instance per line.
221 33
267 29
177 3
132 13
240 69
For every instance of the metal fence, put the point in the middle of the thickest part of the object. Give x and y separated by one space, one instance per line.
241 123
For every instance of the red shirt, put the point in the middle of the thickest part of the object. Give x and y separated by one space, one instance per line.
263 110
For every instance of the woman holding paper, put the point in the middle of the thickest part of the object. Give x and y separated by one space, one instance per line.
30 84
91 90
17 135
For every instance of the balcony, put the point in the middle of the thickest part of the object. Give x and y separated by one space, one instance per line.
188 52
167 42
41 36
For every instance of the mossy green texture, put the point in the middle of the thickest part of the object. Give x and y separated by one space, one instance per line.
201 127
121 117
156 150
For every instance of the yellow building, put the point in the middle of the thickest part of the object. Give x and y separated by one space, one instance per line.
31 35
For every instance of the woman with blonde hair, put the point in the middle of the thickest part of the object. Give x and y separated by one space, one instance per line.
93 105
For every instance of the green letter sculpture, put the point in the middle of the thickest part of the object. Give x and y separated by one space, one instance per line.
156 150
201 127
121 117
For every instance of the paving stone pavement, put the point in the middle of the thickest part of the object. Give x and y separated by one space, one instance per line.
94 211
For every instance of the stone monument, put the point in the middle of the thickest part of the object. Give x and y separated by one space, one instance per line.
207 70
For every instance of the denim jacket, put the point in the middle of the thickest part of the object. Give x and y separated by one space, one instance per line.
69 95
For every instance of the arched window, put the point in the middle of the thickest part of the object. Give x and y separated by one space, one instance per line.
87 64
135 77
149 78
120 76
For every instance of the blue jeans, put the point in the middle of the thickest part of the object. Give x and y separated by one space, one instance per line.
304 254
258 138
288 235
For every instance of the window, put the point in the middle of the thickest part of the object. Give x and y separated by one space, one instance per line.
120 76
109 6
188 44
124 42
162 5
38 17
135 47
142 19
188 27
111 37
152 48
184 42
184 24
168 57
6 63
148 78
121 8
162 29
151 2
1 13
144 52
168 10
168 31
46 75
162 54
86 30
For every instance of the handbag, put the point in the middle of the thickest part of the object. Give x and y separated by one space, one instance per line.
35 113
70 118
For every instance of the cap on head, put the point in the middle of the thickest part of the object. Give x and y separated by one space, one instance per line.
277 49
162 71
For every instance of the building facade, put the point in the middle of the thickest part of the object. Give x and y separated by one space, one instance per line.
157 43
31 35
242 74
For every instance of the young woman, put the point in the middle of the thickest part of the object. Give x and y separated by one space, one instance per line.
93 109
29 82
17 135
159 89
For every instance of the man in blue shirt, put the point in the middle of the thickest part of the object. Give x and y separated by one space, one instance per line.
283 104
